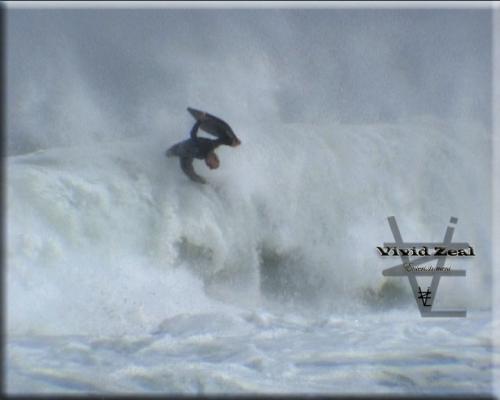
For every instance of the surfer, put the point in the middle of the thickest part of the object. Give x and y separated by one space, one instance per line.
203 148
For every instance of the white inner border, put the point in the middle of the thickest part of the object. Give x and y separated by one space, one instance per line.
494 5
251 4
496 198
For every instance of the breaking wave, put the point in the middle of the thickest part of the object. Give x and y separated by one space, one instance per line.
115 238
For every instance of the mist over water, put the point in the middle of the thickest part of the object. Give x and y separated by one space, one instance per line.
87 76
346 117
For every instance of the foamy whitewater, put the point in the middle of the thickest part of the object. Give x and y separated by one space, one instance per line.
123 276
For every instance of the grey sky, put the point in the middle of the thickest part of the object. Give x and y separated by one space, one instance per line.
83 75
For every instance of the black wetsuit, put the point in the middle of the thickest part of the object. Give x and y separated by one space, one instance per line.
195 147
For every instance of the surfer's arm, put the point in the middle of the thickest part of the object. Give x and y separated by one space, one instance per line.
187 168
194 130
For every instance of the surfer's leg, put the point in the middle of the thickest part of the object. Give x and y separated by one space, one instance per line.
180 149
173 151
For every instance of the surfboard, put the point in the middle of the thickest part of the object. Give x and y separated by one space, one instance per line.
214 125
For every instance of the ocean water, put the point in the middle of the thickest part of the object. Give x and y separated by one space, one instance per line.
123 276
260 352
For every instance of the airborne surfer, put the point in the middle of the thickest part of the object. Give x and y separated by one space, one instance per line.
203 148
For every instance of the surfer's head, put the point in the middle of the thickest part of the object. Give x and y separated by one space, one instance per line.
212 160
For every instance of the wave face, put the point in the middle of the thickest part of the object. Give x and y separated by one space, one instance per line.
116 237
105 235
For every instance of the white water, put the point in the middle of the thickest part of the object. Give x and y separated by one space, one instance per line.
114 240
124 276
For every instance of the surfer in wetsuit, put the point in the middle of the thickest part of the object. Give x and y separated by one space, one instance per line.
202 148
